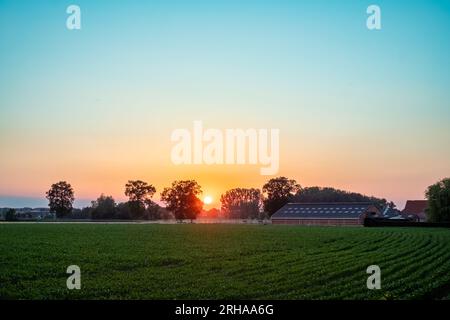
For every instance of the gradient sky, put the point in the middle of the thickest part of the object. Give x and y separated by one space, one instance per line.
365 111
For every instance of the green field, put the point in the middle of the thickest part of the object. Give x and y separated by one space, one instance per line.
187 261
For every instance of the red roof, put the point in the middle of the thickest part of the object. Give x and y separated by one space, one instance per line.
416 207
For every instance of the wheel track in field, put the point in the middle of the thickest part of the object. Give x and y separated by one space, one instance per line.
427 266
351 276
404 272
398 264
401 271
243 275
324 256
347 276
324 261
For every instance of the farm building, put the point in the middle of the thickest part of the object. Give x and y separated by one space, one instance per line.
343 213
390 213
415 209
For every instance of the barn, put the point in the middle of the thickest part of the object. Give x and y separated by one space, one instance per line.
416 210
330 214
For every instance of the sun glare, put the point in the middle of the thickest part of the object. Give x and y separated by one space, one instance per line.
207 200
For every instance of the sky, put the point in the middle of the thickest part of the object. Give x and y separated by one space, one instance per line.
361 110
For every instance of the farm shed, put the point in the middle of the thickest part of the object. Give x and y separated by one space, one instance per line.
333 214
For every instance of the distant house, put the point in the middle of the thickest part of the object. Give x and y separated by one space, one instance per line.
334 213
415 209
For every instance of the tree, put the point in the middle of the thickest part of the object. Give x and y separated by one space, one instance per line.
153 211
11 215
279 191
328 194
103 208
138 190
61 198
123 211
241 203
140 194
438 196
85 213
159 213
181 199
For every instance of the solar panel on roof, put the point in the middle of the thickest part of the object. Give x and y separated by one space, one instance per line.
322 210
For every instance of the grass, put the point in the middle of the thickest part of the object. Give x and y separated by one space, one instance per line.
135 261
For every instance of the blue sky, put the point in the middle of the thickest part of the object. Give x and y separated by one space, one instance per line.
362 110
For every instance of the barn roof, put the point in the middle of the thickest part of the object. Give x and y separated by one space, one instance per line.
339 210
415 206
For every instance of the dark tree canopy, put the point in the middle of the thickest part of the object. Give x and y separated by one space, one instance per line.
106 208
153 211
279 191
241 203
137 190
61 198
438 196
123 211
140 194
11 215
103 208
328 194
182 199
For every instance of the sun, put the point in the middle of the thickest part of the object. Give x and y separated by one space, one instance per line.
207 200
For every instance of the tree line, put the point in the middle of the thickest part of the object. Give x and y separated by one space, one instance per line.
182 200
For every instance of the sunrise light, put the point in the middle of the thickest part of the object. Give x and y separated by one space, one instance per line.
207 200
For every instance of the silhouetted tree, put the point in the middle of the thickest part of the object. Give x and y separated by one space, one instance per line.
279 191
241 203
181 199
123 211
103 208
86 213
61 198
11 215
164 214
140 194
152 211
438 196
